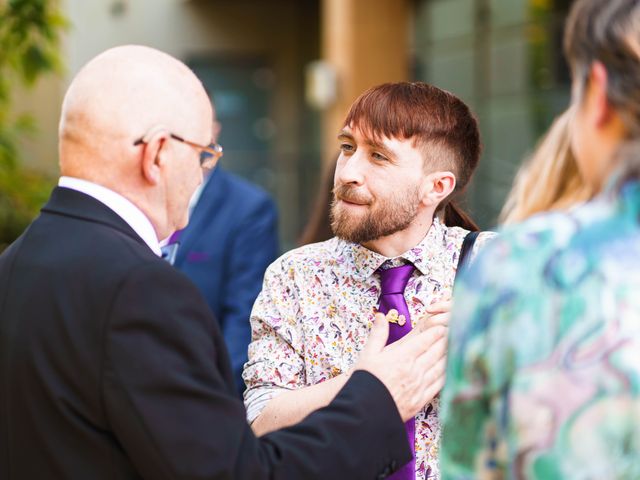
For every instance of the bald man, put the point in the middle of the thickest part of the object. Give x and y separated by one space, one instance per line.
111 364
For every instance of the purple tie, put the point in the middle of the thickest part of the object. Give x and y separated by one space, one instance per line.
170 250
175 237
392 284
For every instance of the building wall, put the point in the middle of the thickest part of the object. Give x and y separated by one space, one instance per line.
40 149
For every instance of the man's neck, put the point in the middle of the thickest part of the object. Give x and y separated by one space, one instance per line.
400 242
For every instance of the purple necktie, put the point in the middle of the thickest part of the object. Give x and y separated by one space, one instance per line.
392 284
175 237
170 250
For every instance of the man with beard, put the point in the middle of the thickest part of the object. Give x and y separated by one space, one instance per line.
407 150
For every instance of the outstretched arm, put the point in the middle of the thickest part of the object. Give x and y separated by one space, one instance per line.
385 362
167 394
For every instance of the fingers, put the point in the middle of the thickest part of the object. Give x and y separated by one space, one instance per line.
436 314
442 306
436 353
422 324
422 398
432 382
437 319
429 321
416 343
378 335
436 356
430 391
428 383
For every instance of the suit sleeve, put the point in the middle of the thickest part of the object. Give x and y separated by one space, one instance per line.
254 247
168 399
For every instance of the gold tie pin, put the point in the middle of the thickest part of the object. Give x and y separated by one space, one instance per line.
393 317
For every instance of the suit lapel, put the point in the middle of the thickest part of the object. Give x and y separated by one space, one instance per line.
71 203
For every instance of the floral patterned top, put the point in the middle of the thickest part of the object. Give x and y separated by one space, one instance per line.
543 375
315 311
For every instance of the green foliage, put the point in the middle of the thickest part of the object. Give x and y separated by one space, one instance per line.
29 48
22 193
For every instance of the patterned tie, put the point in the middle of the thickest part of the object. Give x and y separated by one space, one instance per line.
393 281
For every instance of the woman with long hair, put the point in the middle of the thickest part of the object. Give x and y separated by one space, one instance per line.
543 374
549 179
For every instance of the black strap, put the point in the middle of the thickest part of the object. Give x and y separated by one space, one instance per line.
465 251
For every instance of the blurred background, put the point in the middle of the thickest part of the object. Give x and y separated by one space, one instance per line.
282 74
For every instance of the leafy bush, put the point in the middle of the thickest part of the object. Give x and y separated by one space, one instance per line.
22 193
29 47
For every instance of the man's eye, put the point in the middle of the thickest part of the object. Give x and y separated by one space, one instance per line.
346 147
379 156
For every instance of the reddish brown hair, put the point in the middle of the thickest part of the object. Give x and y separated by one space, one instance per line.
437 121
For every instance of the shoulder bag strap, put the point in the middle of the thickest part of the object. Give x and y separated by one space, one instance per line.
465 251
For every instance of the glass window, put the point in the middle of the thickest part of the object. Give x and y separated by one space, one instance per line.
503 57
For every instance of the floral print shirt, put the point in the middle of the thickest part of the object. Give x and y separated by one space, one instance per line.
315 311
543 374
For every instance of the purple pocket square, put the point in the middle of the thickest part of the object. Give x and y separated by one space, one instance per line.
197 257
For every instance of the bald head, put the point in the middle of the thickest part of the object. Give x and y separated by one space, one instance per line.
119 96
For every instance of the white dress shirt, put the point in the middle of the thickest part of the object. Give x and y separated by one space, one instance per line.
120 205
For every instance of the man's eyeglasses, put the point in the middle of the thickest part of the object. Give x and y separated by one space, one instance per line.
209 155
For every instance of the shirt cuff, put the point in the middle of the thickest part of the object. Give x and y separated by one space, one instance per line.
255 399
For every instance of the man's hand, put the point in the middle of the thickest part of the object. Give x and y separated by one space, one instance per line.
412 368
438 313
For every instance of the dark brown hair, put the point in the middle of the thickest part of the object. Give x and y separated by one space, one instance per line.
609 32
437 121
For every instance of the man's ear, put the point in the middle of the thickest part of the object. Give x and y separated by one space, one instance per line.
437 186
596 92
152 157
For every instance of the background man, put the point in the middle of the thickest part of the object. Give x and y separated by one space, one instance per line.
231 239
111 364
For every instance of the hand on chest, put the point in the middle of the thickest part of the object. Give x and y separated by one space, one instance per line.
336 317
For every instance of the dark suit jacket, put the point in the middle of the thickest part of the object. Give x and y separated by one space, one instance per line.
231 239
112 366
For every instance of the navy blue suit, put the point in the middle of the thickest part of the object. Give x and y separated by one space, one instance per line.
231 239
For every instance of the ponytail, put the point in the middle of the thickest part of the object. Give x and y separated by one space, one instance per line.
454 216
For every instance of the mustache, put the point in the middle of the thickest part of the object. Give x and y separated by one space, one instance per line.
351 194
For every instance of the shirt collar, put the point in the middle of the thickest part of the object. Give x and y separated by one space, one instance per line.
367 261
625 193
131 214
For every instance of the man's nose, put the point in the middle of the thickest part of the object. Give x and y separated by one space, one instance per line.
351 169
